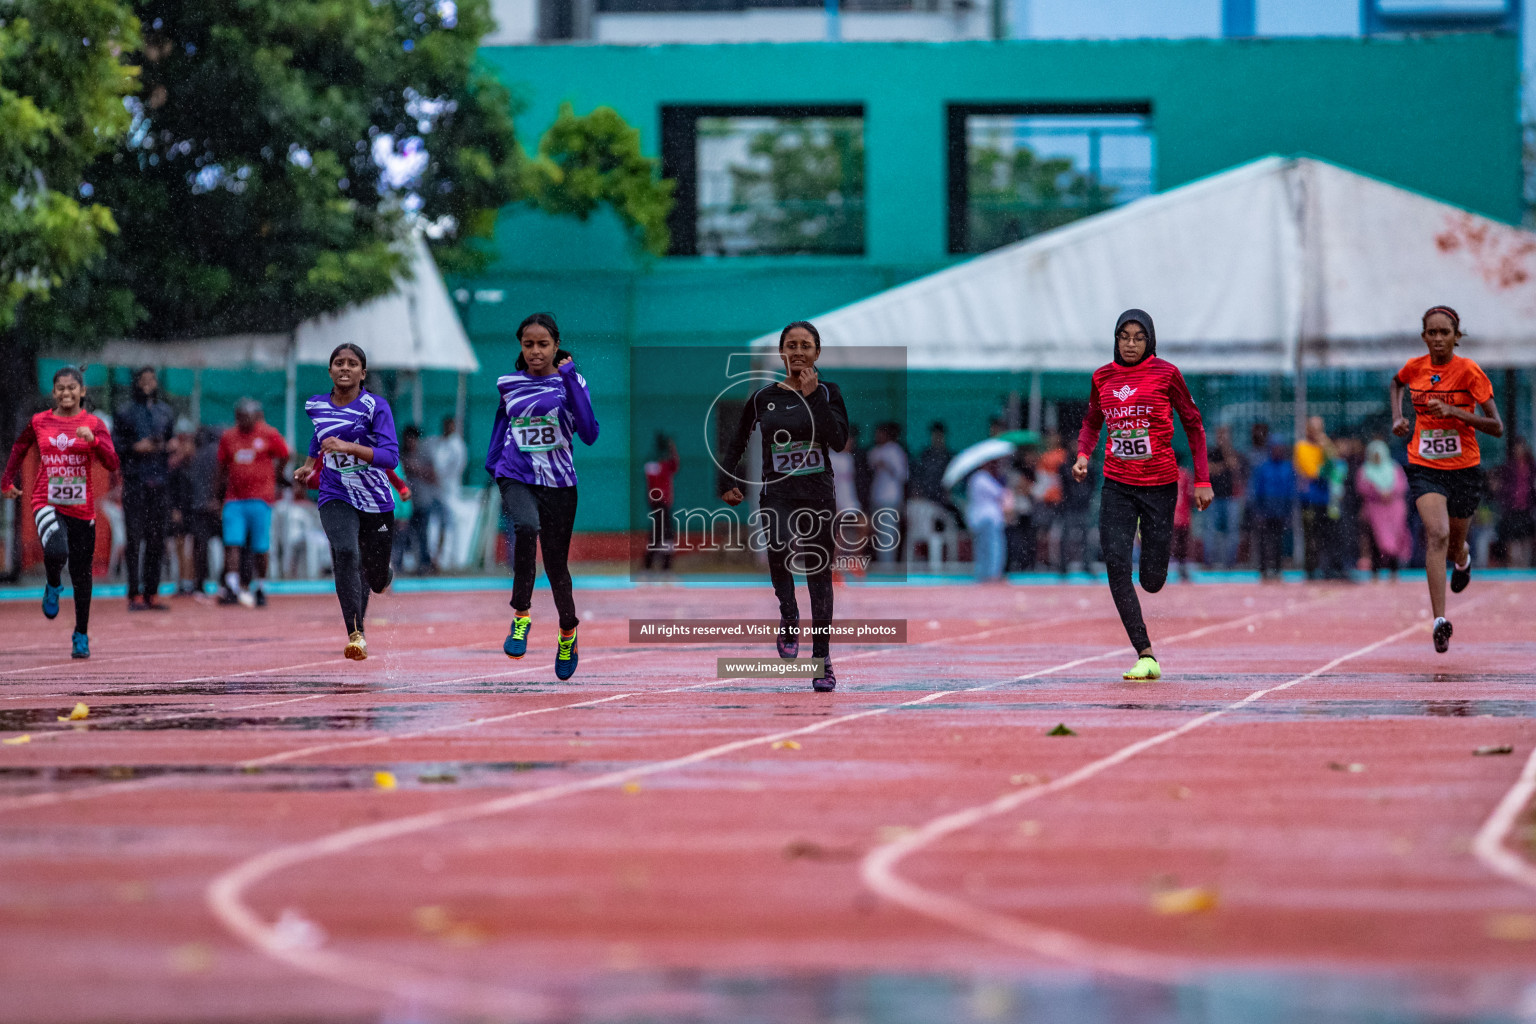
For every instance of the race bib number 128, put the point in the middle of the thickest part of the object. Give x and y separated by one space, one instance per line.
1130 444
537 433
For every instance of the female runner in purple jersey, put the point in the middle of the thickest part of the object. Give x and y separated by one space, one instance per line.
353 447
539 409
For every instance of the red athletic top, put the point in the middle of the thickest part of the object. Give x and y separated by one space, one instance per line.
64 478
250 458
1138 403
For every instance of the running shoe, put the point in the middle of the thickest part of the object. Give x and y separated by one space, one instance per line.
516 644
1442 635
136 603
788 639
565 656
261 599
827 681
1461 576
357 646
1145 668
51 601
152 604
246 599
227 596
80 645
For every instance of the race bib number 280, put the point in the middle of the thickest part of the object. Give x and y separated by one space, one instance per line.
797 458
1130 444
1439 444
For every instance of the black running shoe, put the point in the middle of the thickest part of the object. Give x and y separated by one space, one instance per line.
1461 577
788 640
261 599
827 681
1442 636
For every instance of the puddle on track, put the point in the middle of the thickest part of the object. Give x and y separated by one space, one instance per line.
277 778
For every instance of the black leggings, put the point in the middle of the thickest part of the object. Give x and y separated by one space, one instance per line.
1121 509
800 539
71 540
360 547
541 517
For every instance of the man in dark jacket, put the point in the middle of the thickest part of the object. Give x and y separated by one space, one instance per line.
141 432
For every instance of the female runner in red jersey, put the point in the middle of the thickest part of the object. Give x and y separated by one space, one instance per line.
67 438
1137 395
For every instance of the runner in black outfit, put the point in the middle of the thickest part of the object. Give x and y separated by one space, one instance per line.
803 419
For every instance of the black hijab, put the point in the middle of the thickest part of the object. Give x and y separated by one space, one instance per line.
1141 317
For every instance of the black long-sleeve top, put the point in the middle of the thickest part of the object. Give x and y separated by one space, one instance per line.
798 433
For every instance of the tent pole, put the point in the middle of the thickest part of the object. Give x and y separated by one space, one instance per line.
461 402
417 398
197 396
1035 400
291 392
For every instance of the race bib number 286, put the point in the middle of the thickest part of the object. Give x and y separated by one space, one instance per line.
1130 444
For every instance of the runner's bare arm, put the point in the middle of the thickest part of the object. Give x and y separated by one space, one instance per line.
1400 425
1489 422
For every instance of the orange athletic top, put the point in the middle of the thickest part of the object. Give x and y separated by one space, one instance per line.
1441 442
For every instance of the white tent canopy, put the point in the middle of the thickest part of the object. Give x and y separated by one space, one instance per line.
413 328
1249 271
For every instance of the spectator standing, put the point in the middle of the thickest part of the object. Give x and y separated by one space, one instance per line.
1075 509
1383 487
141 433
179 497
852 533
1271 499
985 513
203 502
928 477
251 455
449 458
1023 542
1256 455
1312 456
1182 507
426 504
888 488
1514 487
659 472
1223 520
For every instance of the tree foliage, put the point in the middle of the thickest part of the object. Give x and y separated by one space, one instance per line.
280 151
62 80
804 188
1014 194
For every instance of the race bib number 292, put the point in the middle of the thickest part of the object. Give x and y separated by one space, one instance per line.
66 490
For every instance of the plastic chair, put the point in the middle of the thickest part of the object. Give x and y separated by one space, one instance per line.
930 524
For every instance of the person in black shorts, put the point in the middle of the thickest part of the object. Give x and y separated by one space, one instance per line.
803 421
1452 400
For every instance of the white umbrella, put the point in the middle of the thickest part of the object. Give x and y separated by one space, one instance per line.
974 457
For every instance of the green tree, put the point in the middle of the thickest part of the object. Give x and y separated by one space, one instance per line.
805 189
280 151
1014 194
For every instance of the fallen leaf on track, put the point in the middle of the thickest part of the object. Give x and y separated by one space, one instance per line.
15 740
631 788
384 780
786 745
1503 748
79 711
1196 899
1061 730
1355 767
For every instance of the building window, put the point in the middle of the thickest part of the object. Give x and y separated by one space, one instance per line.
765 181
1018 170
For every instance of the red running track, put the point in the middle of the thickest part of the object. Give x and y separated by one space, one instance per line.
646 842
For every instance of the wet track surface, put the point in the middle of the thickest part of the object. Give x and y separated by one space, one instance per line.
248 827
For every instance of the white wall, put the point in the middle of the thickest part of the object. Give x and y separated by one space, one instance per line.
516 22
779 25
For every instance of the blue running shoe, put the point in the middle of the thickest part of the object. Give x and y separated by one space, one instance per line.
81 646
516 644
51 601
788 639
827 681
565 657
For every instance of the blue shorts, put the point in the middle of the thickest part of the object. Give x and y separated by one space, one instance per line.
248 519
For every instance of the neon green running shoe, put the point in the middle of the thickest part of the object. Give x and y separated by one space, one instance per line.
1145 668
516 644
565 655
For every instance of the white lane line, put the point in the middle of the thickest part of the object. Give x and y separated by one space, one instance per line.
878 868
88 792
225 895
1490 842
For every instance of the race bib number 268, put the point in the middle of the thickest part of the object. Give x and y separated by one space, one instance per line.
1439 444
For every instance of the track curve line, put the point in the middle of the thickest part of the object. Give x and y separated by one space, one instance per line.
878 868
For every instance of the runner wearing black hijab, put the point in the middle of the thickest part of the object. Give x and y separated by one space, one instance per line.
1137 395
